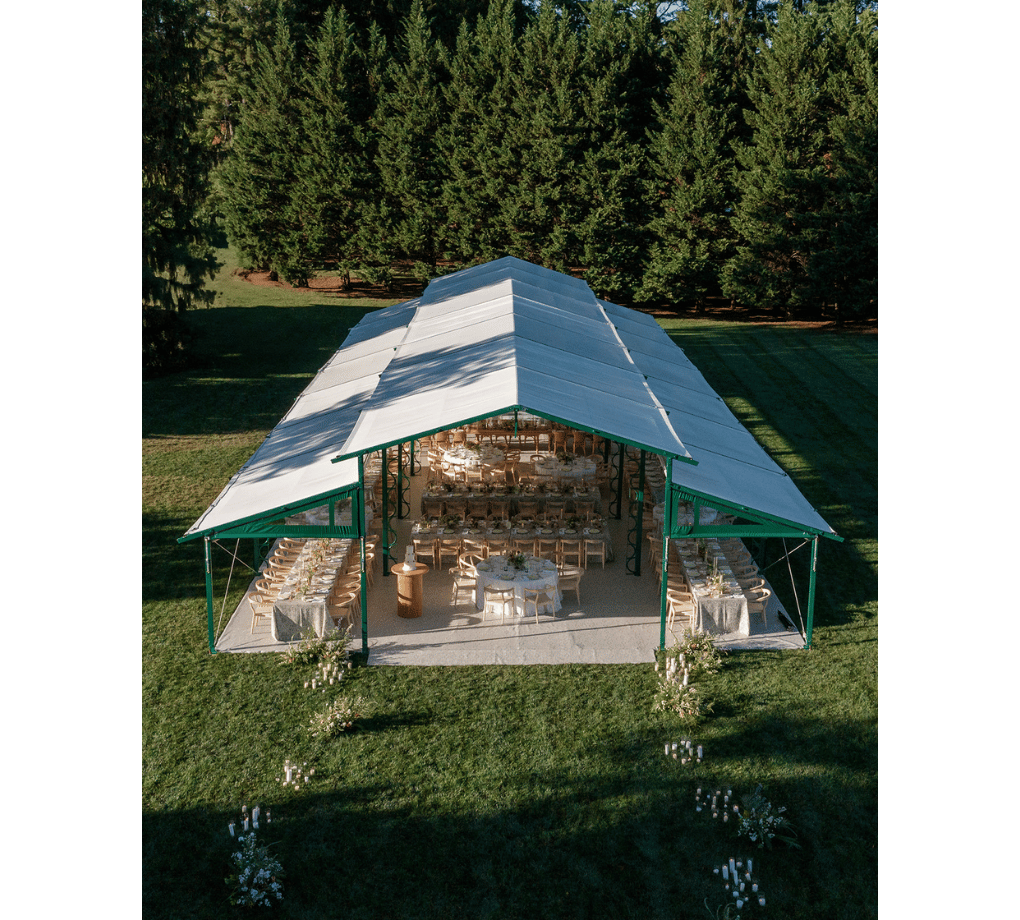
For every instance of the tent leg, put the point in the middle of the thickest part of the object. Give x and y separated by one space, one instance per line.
811 593
209 597
361 531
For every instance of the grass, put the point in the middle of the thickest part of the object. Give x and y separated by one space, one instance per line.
499 791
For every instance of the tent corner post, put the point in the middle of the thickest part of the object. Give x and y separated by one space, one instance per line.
208 595
811 594
361 537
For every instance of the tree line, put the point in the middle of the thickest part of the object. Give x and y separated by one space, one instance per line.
720 149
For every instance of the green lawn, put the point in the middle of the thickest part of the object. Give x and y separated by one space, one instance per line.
507 792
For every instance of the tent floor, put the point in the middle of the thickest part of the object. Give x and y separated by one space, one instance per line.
617 621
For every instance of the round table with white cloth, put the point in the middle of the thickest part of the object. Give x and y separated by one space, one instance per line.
471 458
550 467
540 573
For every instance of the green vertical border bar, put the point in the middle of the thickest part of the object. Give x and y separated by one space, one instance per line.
386 511
667 528
362 527
811 593
208 595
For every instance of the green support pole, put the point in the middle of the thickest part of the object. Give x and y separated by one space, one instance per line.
619 483
400 481
360 498
811 593
208 596
385 511
639 523
667 527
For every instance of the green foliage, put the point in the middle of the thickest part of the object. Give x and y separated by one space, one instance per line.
807 212
337 717
176 253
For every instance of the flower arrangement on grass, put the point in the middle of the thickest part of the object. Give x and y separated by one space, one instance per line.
334 648
761 822
338 717
673 695
699 653
257 881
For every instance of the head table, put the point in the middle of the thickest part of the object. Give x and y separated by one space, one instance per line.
718 595
539 573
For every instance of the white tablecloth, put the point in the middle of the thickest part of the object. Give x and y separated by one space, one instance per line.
484 458
494 572
301 602
721 614
550 468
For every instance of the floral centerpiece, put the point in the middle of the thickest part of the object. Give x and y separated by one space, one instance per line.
518 560
450 521
564 456
573 522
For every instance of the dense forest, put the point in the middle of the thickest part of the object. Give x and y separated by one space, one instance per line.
670 154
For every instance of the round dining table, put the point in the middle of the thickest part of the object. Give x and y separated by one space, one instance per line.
539 573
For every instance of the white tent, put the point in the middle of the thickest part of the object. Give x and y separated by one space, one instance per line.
504 336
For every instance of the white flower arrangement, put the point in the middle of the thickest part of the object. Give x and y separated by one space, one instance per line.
338 717
761 822
257 879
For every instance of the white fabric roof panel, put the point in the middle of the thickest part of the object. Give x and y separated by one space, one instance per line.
484 340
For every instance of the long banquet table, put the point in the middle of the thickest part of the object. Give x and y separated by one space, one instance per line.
719 611
496 536
302 601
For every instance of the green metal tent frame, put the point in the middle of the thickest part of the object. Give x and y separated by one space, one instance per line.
266 525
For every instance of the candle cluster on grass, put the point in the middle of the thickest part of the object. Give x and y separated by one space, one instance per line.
740 883
296 776
327 674
685 751
248 822
719 803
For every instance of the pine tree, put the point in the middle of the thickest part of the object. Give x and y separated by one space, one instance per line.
478 142
788 216
538 213
620 53
407 216
257 180
176 254
845 272
329 195
691 177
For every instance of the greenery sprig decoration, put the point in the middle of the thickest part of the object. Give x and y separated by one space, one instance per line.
761 822
258 877
338 717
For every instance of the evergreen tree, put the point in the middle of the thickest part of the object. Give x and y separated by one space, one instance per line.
538 214
691 176
618 56
408 217
258 178
176 255
478 142
330 190
789 210
845 272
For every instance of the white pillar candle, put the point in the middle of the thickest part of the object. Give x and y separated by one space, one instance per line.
733 867
699 752
761 901
749 869
725 872
667 750
246 824
231 828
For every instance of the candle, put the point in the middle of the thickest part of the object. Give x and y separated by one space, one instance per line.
725 874
749 869
733 867
754 887
739 903
246 824
699 752
231 828
761 901
255 812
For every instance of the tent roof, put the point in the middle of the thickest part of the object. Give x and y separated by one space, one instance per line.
503 335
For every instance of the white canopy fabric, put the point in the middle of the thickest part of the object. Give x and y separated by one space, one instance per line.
503 335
